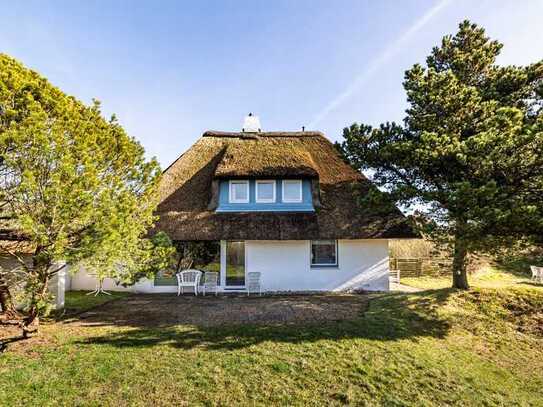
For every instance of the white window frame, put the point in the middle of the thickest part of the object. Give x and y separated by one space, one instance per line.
323 264
265 181
292 181
231 197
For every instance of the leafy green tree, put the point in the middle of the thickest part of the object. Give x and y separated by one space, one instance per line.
469 154
145 260
74 186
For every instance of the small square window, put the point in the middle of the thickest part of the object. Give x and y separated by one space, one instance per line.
292 191
324 253
239 191
265 191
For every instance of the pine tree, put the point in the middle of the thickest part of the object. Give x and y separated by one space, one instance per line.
469 154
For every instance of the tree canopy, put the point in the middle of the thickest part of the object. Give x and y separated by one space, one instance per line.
469 153
73 185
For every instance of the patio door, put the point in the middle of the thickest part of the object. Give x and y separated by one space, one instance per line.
235 264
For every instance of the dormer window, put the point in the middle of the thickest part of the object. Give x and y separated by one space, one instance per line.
239 191
264 195
292 191
265 191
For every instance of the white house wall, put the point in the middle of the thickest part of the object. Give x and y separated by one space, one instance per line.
285 266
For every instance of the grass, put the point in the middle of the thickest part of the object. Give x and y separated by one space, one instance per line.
79 301
488 277
437 347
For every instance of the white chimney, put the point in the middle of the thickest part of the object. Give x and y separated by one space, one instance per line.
251 124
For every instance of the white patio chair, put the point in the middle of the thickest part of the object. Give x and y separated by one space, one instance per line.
99 287
211 279
537 274
188 278
253 283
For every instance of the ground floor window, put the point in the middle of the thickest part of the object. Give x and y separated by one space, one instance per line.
199 255
323 253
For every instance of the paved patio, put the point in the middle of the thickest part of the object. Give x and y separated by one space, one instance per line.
167 309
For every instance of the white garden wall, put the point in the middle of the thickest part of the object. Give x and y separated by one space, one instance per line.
285 266
58 284
82 280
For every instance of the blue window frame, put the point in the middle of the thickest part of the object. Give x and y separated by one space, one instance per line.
265 195
292 190
239 191
265 191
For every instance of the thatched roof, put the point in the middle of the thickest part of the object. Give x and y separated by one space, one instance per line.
186 191
243 156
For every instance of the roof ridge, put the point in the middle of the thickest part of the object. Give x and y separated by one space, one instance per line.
216 133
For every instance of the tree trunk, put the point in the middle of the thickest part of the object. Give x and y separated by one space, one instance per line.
6 302
460 275
31 322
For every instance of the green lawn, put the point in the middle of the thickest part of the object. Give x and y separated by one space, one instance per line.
489 277
437 347
78 301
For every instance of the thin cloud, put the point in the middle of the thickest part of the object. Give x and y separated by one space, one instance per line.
378 62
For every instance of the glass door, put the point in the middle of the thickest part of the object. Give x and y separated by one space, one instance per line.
235 264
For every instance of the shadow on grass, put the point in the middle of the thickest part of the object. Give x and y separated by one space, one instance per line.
12 339
389 317
519 264
78 302
531 284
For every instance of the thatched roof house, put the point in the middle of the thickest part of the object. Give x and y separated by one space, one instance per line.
271 211
190 189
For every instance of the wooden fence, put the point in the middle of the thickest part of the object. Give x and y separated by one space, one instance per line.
421 267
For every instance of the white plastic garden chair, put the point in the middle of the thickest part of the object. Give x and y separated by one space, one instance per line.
537 273
211 279
188 278
99 287
253 283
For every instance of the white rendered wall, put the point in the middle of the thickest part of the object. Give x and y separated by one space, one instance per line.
82 280
285 266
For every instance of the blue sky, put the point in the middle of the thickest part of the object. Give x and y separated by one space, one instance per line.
172 69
